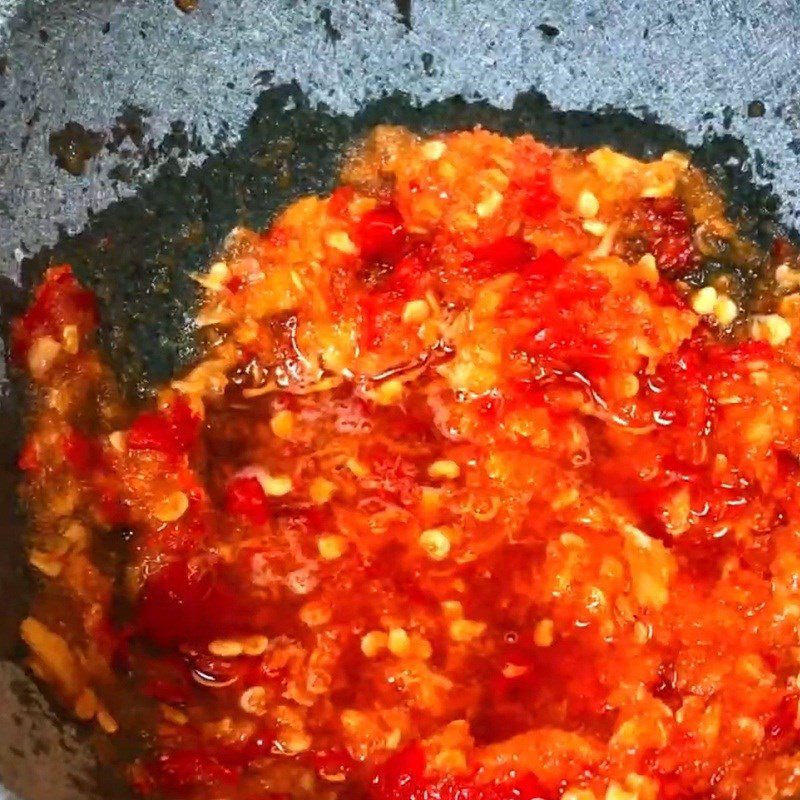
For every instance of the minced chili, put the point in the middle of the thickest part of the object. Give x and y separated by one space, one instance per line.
476 494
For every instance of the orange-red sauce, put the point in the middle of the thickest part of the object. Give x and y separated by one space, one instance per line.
471 497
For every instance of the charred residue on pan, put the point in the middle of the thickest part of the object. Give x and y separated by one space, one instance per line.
404 11
73 146
332 33
131 125
136 254
548 31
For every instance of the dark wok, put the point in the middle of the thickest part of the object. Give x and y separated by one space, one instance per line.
133 137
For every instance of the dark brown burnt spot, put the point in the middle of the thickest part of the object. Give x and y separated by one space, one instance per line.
73 146
187 6
332 34
130 124
404 11
548 31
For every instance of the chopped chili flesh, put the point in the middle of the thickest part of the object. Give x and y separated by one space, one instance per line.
380 235
244 496
469 499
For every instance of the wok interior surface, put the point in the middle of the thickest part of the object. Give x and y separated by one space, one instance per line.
136 256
